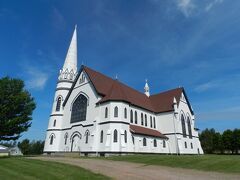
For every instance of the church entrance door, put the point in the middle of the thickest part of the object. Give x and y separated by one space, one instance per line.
75 147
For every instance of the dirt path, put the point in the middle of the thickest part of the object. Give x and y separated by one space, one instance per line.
126 170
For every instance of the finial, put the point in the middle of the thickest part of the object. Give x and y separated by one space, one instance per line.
75 26
146 88
116 77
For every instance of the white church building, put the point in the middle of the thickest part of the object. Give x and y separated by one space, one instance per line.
95 114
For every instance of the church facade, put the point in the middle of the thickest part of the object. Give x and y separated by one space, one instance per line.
95 114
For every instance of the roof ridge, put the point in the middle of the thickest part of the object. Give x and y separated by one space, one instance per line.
168 91
114 80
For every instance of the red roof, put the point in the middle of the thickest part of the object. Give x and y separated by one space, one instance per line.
115 90
146 131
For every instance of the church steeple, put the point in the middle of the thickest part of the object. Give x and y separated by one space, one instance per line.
147 89
69 70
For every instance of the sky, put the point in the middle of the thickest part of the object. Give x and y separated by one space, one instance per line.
172 43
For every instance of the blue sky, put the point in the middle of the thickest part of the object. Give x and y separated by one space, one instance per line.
190 43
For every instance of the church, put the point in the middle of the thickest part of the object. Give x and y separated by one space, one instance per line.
93 114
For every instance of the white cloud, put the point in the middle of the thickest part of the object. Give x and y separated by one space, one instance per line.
186 7
211 4
226 84
206 86
36 78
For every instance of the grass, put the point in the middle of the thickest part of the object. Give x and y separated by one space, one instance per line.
218 163
21 168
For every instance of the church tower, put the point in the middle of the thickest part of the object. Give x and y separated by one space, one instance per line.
65 80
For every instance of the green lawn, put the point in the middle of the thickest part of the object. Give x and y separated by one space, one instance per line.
21 168
219 163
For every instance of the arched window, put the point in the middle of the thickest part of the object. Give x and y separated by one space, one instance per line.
145 120
115 135
133 139
183 126
51 139
144 142
125 136
54 123
116 111
106 112
135 117
65 138
125 113
142 119
191 146
164 143
86 134
79 109
150 121
58 106
155 143
154 122
185 143
131 116
101 137
189 128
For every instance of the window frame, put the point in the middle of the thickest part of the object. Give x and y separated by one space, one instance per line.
115 136
136 118
115 111
58 105
79 109
106 112
101 137
144 141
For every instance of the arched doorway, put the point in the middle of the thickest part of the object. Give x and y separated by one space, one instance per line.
75 142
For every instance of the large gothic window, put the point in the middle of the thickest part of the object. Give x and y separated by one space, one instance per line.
58 106
189 128
183 126
79 109
115 136
116 111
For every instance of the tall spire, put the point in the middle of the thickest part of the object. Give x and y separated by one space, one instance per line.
69 69
147 89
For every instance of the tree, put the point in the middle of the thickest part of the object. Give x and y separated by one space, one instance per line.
207 140
228 140
33 147
217 143
24 146
236 140
16 107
